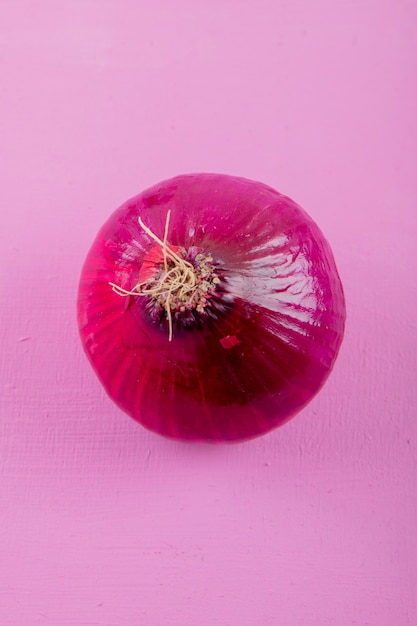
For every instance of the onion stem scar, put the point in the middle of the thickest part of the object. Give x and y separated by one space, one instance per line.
178 285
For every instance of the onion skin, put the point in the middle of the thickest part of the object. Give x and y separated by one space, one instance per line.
275 328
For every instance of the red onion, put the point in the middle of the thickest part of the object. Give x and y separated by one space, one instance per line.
210 308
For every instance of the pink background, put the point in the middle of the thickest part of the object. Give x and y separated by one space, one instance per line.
103 523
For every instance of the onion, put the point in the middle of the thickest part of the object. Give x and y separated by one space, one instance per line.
210 308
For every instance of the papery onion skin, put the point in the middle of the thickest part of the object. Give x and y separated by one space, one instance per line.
268 347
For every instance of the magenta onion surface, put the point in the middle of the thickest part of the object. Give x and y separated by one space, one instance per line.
210 308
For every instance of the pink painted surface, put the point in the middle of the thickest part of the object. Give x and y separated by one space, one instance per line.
103 523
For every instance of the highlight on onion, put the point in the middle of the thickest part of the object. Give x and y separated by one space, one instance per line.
210 308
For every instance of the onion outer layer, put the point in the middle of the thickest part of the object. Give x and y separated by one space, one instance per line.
269 337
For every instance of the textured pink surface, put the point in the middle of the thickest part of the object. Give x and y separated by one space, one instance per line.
103 523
